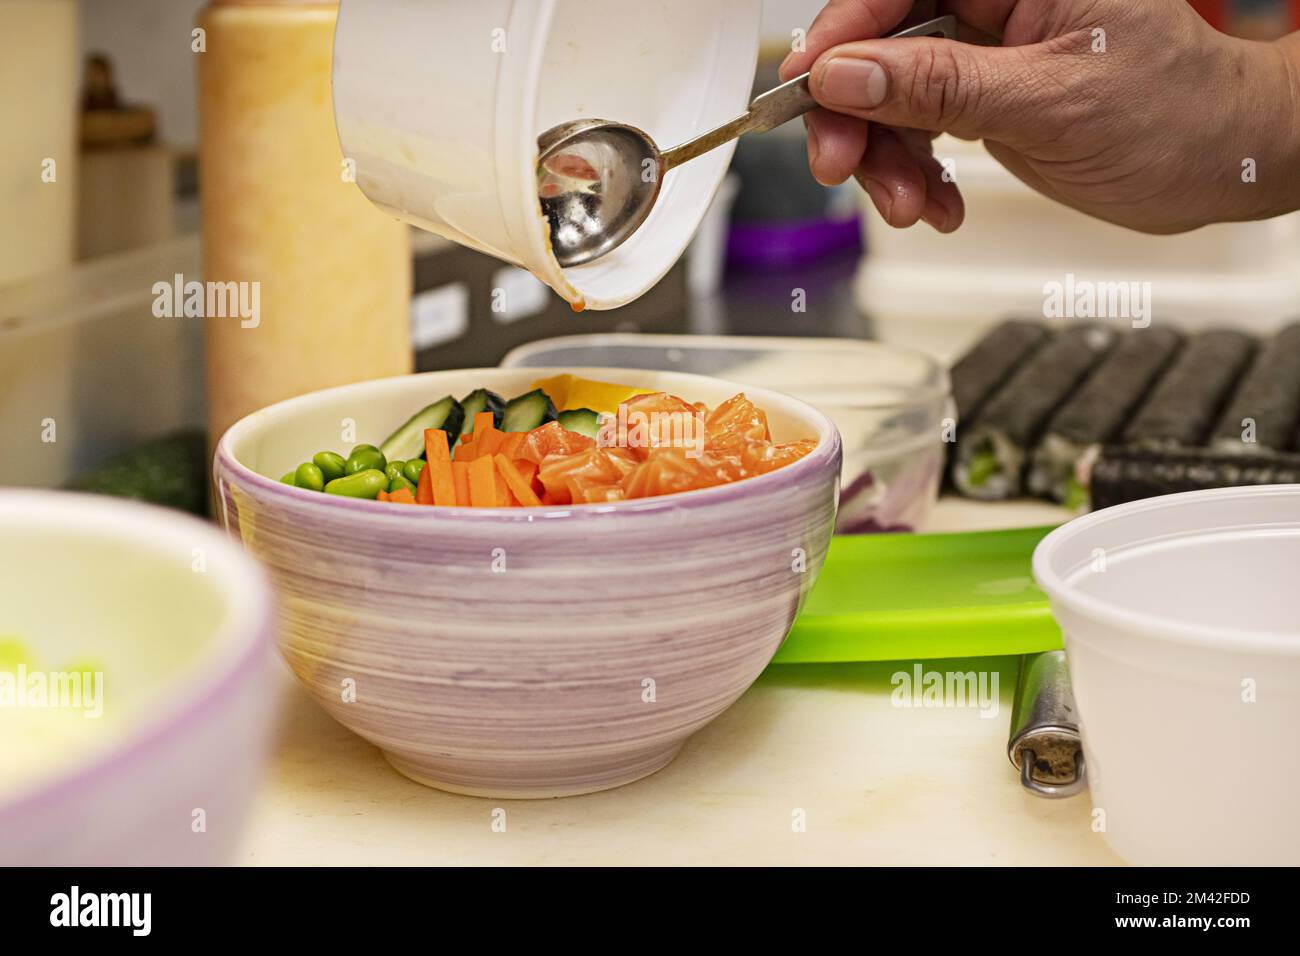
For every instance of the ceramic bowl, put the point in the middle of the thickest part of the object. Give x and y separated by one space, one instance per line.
156 762
526 652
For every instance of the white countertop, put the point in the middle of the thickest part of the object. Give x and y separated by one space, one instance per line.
873 783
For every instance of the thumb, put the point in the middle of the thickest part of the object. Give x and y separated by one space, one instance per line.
944 86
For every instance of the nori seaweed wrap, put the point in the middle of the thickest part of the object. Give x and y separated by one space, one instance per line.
1126 473
1187 401
1097 412
992 450
979 372
1268 398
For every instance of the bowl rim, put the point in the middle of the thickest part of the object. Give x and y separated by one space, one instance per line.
1111 614
825 455
237 646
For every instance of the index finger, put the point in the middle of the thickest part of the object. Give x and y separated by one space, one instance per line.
843 21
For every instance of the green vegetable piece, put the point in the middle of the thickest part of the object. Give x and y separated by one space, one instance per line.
398 482
363 484
289 478
983 466
309 476
412 469
394 469
331 464
363 458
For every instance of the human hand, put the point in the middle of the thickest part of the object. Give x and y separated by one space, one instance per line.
1137 113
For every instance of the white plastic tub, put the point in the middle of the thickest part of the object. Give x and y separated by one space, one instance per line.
1181 617
439 103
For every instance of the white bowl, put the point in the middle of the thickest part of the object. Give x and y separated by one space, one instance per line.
177 619
1181 617
440 103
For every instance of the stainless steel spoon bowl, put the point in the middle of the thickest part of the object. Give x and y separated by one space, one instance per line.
597 180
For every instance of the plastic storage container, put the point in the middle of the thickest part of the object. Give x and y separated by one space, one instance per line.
889 404
1182 625
439 104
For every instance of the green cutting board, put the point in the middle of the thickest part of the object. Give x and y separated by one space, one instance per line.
887 597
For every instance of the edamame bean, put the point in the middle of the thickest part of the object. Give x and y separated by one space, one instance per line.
288 478
309 476
332 464
412 470
394 469
400 482
363 484
363 458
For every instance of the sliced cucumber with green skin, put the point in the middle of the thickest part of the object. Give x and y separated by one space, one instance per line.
408 441
482 400
528 411
584 421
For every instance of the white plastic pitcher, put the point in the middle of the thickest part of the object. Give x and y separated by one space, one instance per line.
439 104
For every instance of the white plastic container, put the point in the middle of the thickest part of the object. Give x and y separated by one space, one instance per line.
888 403
439 104
1181 618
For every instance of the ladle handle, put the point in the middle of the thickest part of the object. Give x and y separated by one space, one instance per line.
783 103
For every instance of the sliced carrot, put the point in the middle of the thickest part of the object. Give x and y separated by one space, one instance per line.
460 477
482 422
438 460
482 483
402 496
467 451
521 489
511 443
527 470
489 443
424 487
383 496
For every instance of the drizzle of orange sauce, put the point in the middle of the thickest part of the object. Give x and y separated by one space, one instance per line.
578 305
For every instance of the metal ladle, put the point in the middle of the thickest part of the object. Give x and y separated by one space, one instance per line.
598 180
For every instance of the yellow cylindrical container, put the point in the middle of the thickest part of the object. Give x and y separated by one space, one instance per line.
40 66
330 275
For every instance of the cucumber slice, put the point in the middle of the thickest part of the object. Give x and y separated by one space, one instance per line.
528 411
584 421
408 441
482 400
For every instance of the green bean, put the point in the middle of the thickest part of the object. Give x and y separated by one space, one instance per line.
309 476
363 484
400 482
332 464
288 478
363 458
412 470
394 469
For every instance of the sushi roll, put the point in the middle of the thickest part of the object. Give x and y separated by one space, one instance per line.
992 449
979 372
1096 413
1127 473
1264 412
1186 402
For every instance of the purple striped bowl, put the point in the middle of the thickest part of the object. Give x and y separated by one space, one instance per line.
179 619
526 652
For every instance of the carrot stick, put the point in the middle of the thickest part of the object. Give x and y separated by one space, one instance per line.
511 444
467 451
460 477
424 487
383 496
482 483
402 496
522 490
489 443
482 422
438 460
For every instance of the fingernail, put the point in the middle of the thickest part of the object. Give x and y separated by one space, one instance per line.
880 195
858 84
780 70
